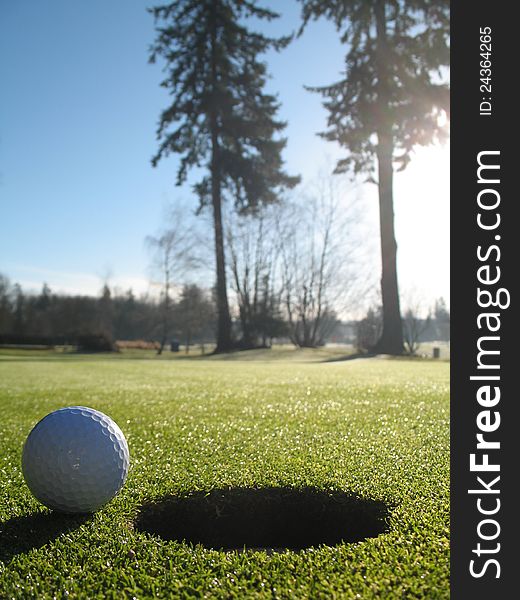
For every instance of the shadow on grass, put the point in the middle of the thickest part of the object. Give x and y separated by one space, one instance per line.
354 356
273 519
21 534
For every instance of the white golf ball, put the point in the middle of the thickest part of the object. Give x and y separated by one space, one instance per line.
75 460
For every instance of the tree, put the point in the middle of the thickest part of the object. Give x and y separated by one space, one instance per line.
105 313
5 304
173 256
44 299
368 330
125 315
19 316
413 329
195 314
306 271
40 312
220 118
442 319
253 248
318 251
390 99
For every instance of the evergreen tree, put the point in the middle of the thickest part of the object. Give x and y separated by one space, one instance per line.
5 304
19 310
194 313
442 319
40 311
44 299
106 312
389 100
219 118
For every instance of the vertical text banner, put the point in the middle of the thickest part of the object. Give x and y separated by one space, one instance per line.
485 351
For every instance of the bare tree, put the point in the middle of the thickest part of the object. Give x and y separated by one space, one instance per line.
414 326
253 246
173 251
295 266
317 262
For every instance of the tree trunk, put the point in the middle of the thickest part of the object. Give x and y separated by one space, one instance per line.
391 341
224 341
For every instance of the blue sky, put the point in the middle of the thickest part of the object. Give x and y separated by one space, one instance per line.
79 105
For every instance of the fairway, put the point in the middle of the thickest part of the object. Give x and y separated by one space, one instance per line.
372 434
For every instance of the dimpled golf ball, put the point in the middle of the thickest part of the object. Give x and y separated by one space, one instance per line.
75 460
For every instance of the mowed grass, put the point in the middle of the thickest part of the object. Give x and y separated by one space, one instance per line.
376 429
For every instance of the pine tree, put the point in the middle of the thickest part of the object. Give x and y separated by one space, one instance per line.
19 310
390 99
220 118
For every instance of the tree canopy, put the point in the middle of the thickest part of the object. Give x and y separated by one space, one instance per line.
216 83
393 77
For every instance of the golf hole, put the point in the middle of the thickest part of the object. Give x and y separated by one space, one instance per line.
274 519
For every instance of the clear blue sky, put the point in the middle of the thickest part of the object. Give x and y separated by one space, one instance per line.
79 105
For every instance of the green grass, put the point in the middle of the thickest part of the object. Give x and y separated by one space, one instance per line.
376 429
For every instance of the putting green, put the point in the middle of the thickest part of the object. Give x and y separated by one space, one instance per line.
373 433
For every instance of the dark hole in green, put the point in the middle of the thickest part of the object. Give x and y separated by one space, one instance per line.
267 518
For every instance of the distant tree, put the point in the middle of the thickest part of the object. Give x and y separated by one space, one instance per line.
105 325
173 251
413 328
94 323
269 320
5 304
19 307
195 315
220 118
389 100
76 315
368 330
441 316
314 239
253 247
44 300
125 316
39 312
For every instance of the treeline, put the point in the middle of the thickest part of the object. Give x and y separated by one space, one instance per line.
186 317
95 323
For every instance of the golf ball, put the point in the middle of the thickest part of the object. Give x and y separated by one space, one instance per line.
75 460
